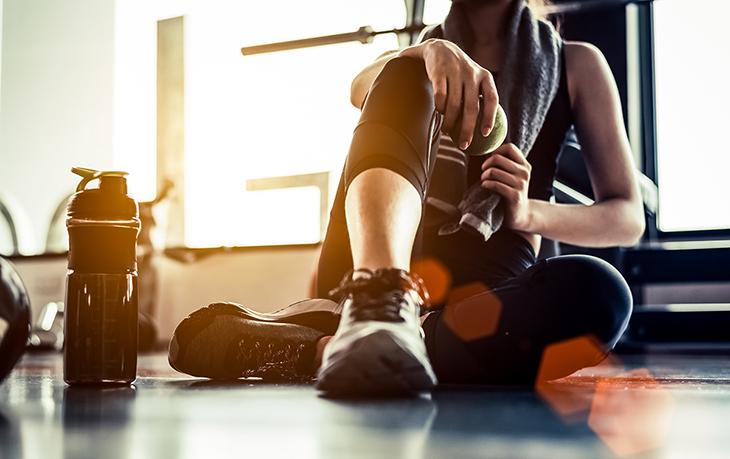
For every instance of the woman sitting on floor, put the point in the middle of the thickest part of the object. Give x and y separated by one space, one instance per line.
409 192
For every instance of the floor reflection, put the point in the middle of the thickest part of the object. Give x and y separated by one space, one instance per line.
632 412
96 421
646 409
11 445
388 427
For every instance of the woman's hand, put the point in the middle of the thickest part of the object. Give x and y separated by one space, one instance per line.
458 82
507 172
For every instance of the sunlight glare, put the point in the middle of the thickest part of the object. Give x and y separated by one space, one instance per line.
246 117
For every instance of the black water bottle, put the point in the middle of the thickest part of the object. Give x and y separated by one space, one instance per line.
101 290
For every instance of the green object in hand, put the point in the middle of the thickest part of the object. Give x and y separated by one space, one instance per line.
481 145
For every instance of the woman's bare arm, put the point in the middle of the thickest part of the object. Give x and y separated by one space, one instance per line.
616 218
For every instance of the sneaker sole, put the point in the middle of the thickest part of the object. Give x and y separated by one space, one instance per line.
219 325
375 364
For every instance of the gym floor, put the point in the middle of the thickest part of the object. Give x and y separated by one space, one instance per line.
649 405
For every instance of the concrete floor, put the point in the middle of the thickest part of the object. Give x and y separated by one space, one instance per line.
638 406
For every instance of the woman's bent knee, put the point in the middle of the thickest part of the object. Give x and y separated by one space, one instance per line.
398 126
604 300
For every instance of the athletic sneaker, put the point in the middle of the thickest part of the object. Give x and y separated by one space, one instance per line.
379 346
229 341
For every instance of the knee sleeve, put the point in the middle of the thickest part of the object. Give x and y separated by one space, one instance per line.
398 126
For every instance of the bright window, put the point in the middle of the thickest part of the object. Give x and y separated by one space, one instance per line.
435 11
252 117
692 58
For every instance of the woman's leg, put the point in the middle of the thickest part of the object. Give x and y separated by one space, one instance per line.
378 346
383 214
395 143
498 337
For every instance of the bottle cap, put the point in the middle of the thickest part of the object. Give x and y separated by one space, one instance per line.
103 224
108 202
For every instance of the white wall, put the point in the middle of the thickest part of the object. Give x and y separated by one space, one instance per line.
57 110
55 103
262 279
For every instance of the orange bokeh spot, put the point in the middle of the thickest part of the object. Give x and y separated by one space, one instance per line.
631 412
436 277
571 397
566 357
475 317
463 292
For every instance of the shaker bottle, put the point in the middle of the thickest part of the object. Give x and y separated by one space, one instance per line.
101 289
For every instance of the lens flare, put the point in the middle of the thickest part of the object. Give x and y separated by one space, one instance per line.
571 397
475 317
463 292
566 357
436 277
631 412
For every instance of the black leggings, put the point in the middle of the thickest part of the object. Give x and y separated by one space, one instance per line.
520 306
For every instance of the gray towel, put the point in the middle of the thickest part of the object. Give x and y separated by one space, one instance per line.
527 84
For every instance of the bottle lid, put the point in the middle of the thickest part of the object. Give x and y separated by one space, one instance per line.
109 202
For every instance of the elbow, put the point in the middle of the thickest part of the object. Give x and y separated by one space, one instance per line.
629 222
626 223
633 229
634 234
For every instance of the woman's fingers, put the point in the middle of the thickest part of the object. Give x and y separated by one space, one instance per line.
490 100
507 192
507 172
477 82
508 166
470 114
458 82
510 151
440 93
498 175
453 104
508 158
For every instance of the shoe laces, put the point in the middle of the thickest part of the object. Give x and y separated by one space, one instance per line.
271 359
378 295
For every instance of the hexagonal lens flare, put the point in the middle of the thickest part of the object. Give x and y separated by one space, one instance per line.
631 412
